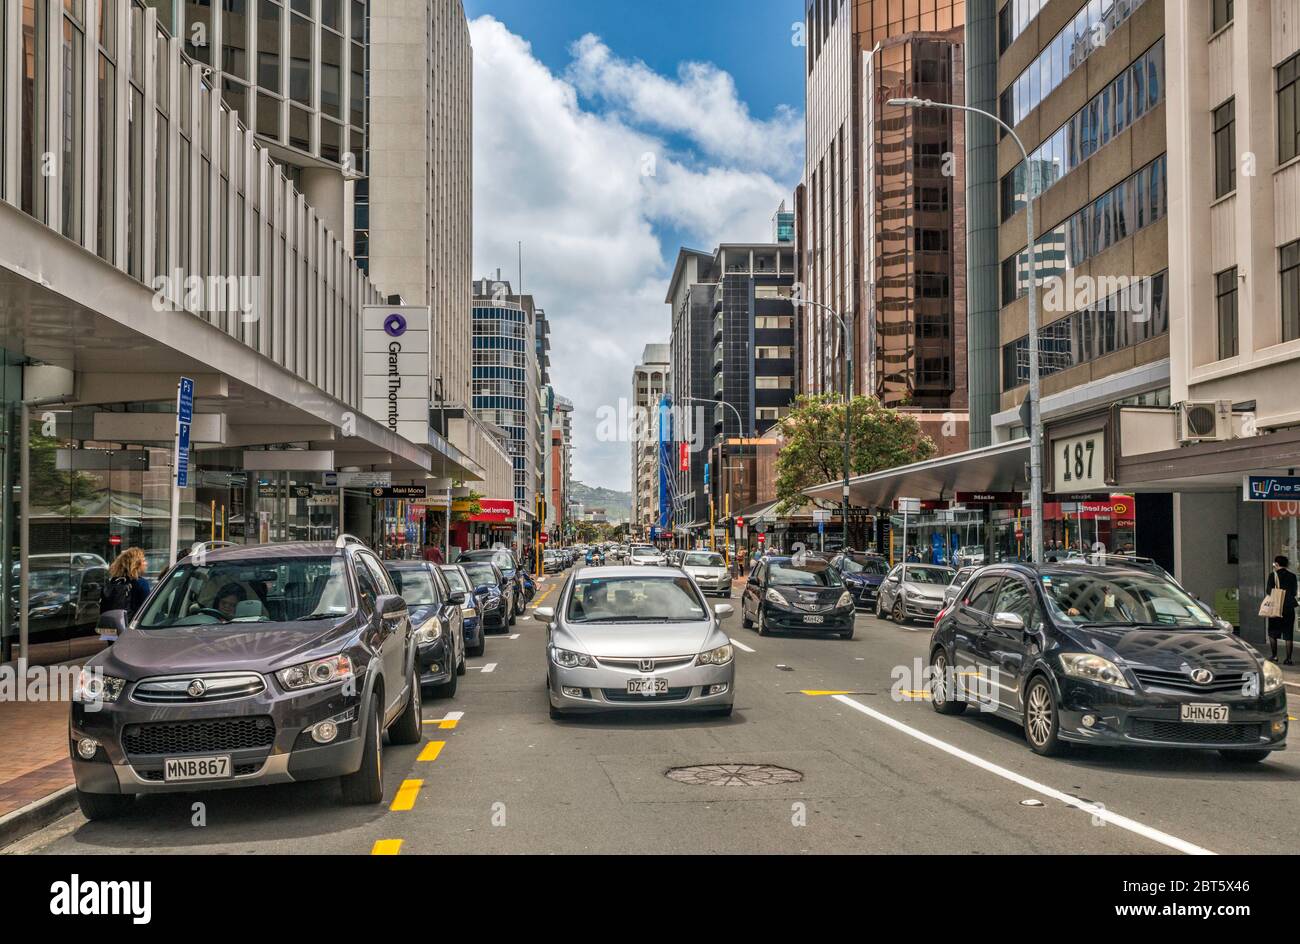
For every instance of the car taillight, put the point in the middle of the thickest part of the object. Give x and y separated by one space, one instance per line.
941 614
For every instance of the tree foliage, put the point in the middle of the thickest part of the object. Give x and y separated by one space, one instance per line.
813 448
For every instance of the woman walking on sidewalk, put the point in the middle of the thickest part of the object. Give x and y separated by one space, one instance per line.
127 588
1282 626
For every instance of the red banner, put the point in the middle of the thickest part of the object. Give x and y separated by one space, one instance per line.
494 509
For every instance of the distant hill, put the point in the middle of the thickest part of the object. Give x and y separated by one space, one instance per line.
617 505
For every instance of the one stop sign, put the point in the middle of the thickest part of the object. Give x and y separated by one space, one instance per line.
543 537
762 538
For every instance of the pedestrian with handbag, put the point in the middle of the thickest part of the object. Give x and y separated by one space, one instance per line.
1280 607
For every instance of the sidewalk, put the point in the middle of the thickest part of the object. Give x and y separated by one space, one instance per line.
33 752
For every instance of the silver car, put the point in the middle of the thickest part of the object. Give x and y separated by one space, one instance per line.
951 591
913 592
646 555
635 638
709 570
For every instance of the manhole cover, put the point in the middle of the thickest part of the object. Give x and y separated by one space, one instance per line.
735 775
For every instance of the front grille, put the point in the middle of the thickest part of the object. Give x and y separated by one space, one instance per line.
618 694
1182 682
1185 733
199 737
241 770
634 664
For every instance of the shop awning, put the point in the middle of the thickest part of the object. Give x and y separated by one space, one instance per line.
999 468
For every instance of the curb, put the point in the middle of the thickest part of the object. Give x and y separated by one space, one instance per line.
36 815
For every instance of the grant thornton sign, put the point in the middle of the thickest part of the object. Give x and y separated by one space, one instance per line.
395 368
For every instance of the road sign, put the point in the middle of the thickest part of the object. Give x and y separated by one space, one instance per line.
185 402
762 538
740 522
543 537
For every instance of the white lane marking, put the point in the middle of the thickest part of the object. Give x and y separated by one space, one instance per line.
740 645
488 668
1096 810
453 716
513 636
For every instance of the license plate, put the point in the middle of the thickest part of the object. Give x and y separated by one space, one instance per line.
814 619
216 767
647 686
1203 713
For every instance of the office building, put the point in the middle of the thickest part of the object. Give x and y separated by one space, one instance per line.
650 381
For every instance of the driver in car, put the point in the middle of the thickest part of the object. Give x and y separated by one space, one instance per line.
228 599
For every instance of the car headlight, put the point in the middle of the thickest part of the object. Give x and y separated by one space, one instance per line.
567 659
773 597
720 656
430 631
846 599
94 686
1273 679
1093 668
318 672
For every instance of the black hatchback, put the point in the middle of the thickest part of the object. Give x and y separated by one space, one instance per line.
785 594
1081 654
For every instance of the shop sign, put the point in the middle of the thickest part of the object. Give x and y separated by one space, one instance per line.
1270 487
398 491
395 368
990 498
495 510
358 479
1079 462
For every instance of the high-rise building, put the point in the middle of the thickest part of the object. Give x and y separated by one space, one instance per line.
882 232
559 466
650 381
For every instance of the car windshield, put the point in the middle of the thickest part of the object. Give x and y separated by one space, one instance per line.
454 579
503 559
936 575
250 591
1123 599
869 565
704 560
415 584
788 575
635 600
643 552
480 574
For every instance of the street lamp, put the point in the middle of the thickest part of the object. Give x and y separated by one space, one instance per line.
1035 417
846 326
740 428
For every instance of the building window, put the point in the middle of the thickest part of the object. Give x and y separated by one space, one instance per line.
1225 147
1225 311
1288 109
1290 272
34 91
1222 15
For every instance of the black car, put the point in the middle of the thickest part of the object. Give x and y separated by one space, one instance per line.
784 595
1104 655
436 621
491 592
250 666
508 565
862 575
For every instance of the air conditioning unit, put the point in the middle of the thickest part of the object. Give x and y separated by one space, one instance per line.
1204 420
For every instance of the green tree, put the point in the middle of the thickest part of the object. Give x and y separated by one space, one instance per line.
812 452
52 490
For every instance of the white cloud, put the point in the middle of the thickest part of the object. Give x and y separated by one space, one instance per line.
571 184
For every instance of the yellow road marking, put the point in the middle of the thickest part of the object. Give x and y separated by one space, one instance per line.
815 691
406 795
386 847
447 724
915 693
432 750
1290 717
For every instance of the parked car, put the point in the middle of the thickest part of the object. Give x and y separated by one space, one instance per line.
506 563
862 575
782 595
436 620
1104 655
471 616
970 555
913 592
636 638
263 664
552 562
491 589
958 581
709 571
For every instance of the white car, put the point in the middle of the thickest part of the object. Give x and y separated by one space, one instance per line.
645 555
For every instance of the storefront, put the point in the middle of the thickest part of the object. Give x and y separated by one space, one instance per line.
494 524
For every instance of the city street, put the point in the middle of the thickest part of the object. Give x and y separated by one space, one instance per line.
495 774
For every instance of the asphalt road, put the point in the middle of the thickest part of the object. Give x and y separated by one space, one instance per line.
881 772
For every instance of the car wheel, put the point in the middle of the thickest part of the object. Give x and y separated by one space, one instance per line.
460 666
448 688
847 635
1041 721
745 621
556 714
406 729
478 650
514 614
367 784
880 609
723 712
943 688
896 613
1245 757
96 806
763 629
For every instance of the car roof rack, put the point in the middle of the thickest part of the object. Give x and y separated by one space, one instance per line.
210 545
345 539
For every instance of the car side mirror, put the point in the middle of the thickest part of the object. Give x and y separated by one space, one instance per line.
1011 622
544 614
723 609
458 597
390 606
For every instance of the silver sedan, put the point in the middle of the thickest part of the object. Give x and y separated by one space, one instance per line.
709 570
634 638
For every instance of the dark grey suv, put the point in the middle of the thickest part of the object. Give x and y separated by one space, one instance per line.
250 666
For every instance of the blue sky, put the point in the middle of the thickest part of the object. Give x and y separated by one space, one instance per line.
608 134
